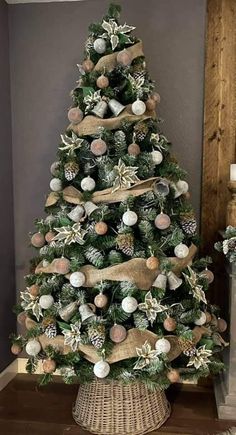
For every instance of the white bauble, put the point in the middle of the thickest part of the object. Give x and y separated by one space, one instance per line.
129 304
101 369
46 301
45 263
55 184
99 45
77 279
88 184
162 345
50 219
76 213
54 168
202 319
33 347
130 218
182 186
157 157
138 107
181 250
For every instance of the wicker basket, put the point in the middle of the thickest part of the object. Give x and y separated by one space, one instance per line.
113 408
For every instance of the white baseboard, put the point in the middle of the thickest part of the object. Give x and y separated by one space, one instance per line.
8 374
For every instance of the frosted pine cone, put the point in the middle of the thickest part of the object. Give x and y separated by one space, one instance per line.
140 131
96 335
71 169
125 243
51 330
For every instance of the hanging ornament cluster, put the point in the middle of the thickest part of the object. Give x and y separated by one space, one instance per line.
130 218
71 169
98 147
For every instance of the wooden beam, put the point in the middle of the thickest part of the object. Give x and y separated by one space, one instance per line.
219 117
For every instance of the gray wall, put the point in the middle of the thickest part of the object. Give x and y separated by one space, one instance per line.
7 272
46 42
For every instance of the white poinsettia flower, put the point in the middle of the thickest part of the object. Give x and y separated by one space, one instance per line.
74 234
113 30
124 176
151 307
70 143
200 358
73 336
196 289
146 355
225 247
31 303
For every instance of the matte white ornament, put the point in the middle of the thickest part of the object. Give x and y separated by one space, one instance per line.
130 218
129 304
77 279
181 250
88 184
45 263
202 319
33 347
180 188
99 45
162 345
55 184
138 107
46 301
101 369
50 219
54 168
157 157
76 213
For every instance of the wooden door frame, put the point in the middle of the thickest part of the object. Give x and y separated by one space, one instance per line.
219 138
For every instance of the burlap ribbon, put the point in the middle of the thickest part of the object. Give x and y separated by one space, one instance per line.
109 61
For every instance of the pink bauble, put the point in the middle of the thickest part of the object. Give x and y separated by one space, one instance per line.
134 149
38 240
101 228
124 58
222 325
98 147
49 366
102 82
150 104
101 300
62 266
162 221
117 333
49 236
87 65
16 349
75 115
34 290
21 318
156 97
208 275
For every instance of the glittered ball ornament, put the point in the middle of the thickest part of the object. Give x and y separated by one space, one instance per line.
101 300
181 188
138 107
34 290
62 266
130 218
101 369
181 250
117 333
87 65
173 376
169 324
98 147
162 221
162 345
221 325
46 301
134 149
152 263
99 45
33 347
54 169
150 104
75 115
124 58
102 82
129 304
101 228
49 236
88 184
38 240
49 366
16 349
208 275
21 318
77 279
157 157
201 320
56 185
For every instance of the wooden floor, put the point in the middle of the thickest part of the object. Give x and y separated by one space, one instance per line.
26 409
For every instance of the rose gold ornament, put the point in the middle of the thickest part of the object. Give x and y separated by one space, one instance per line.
117 333
62 266
173 376
98 147
34 290
16 349
101 228
101 300
221 325
21 318
156 97
87 65
49 236
162 221
49 366
75 115
150 104
134 149
102 82
169 324
187 195
123 58
38 240
208 317
208 275
152 263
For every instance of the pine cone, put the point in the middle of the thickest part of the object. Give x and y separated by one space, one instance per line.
97 335
51 331
125 243
190 352
188 223
71 169
186 345
140 130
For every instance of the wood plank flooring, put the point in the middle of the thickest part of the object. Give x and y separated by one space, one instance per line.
26 409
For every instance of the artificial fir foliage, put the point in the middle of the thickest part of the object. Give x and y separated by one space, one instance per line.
114 255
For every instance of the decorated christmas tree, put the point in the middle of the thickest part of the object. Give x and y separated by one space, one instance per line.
114 291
